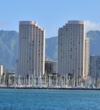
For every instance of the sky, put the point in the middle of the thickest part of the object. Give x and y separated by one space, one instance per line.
50 14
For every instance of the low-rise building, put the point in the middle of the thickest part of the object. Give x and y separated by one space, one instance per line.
51 67
48 67
95 68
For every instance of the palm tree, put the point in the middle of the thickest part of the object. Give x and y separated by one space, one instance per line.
27 78
79 79
83 81
97 82
71 80
44 78
6 79
58 79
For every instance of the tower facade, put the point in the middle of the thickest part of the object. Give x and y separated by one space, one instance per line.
87 57
31 49
71 49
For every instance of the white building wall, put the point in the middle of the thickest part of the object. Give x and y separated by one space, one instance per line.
87 57
71 48
1 70
31 49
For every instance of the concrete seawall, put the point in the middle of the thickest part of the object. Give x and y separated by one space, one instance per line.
50 88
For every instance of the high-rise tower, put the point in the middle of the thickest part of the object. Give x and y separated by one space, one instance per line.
31 49
71 50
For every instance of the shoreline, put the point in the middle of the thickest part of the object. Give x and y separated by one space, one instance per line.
50 88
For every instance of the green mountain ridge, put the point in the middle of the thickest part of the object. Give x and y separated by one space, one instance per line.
9 47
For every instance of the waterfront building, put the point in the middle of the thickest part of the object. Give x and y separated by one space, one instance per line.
95 68
1 70
51 67
11 78
31 61
8 78
73 51
48 72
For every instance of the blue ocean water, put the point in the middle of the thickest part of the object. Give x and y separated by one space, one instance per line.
22 99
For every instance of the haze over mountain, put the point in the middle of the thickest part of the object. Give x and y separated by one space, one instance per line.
9 47
94 42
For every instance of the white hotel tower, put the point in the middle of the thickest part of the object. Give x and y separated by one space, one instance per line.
31 49
73 50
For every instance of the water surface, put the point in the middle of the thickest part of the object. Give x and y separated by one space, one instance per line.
22 99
